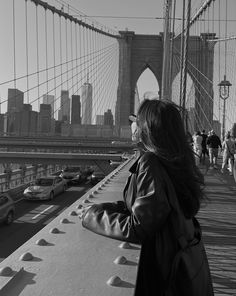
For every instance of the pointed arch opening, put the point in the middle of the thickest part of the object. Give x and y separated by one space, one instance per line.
147 85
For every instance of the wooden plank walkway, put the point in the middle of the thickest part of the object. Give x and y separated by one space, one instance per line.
218 220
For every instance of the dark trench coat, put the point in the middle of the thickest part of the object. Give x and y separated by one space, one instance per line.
143 218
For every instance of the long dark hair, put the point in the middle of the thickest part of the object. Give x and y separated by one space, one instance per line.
162 132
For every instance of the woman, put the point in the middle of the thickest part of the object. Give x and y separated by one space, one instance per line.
144 216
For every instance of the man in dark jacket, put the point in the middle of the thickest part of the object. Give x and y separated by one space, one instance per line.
213 143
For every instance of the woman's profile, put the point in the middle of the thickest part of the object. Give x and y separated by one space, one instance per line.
164 171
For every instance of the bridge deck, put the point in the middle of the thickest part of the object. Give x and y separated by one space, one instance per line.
218 220
79 262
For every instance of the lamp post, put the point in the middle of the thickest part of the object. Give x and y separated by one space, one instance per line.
224 94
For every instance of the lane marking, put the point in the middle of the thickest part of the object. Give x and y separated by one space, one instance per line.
35 217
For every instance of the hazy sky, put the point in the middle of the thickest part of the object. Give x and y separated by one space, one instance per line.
142 17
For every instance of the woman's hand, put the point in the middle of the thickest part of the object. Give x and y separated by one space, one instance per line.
83 210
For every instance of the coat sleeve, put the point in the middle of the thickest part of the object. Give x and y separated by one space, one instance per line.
148 213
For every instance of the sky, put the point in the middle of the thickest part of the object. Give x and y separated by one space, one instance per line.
142 17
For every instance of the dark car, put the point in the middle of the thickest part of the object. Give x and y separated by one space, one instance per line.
97 176
7 209
73 175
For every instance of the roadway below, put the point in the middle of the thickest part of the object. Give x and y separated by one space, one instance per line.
32 216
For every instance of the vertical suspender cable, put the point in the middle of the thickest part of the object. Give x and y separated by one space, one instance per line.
14 45
27 50
172 47
37 50
182 54
54 64
219 22
76 58
226 33
166 52
72 57
67 73
60 37
81 69
83 73
186 40
88 54
46 45
95 68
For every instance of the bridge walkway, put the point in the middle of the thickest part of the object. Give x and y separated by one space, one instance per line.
218 220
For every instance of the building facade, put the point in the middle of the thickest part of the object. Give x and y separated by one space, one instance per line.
49 99
75 109
108 118
15 100
99 119
44 119
64 112
87 103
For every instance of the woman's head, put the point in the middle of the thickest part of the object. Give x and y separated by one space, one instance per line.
160 128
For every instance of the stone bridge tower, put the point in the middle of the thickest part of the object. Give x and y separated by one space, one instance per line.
139 52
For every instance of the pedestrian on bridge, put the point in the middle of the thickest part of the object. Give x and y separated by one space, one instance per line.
228 149
214 144
160 200
197 146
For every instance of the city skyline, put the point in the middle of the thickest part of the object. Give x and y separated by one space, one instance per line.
20 119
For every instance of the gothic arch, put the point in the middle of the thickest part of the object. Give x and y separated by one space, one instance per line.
138 52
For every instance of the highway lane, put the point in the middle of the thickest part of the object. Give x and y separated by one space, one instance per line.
32 216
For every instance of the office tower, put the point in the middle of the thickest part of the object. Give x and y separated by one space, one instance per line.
108 118
75 109
2 131
99 119
49 99
45 118
64 112
22 123
27 107
15 100
86 101
28 122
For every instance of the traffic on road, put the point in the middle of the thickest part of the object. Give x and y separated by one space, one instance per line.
23 217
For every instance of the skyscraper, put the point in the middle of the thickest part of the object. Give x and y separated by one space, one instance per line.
108 118
49 99
87 103
15 100
99 119
64 114
45 118
75 109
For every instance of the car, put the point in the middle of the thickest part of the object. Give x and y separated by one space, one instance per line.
73 175
45 188
97 176
7 209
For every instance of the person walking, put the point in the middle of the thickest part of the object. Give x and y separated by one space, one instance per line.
197 146
162 194
228 149
204 147
213 143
